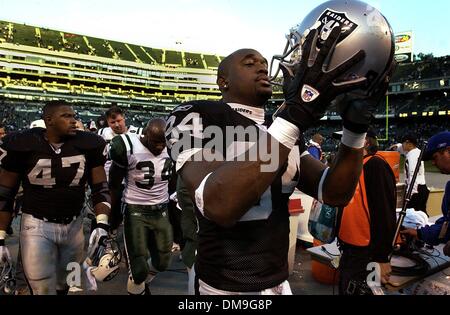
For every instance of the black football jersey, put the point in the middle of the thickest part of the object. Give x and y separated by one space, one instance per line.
53 180
252 255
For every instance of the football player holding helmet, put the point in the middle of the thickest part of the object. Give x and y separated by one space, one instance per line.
54 165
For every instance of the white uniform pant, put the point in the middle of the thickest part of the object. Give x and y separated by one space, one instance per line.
47 249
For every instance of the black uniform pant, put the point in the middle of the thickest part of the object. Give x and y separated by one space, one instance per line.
419 200
353 269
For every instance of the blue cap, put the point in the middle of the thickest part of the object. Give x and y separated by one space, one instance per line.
436 143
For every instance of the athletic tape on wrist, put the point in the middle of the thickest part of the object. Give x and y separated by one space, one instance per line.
102 219
353 140
284 132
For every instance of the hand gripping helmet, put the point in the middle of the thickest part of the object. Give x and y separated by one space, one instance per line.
363 27
105 260
7 278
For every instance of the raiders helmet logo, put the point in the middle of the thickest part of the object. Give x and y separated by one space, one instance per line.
329 19
309 94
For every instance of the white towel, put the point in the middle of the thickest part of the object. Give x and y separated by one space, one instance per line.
415 219
91 282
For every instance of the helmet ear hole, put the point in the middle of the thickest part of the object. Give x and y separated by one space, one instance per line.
371 77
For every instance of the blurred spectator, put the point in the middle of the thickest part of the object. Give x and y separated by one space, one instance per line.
420 191
438 150
315 146
2 131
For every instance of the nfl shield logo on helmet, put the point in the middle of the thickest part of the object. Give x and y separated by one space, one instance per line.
309 94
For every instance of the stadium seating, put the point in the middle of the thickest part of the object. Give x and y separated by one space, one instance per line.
193 60
435 68
142 55
212 62
59 41
173 58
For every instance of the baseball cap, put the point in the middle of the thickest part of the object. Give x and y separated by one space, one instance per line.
40 123
372 133
410 138
436 143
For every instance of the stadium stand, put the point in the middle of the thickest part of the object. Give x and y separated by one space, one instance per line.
212 62
156 54
432 68
194 60
38 64
173 58
141 55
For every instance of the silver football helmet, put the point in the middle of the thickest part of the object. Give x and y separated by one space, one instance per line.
7 278
363 27
105 260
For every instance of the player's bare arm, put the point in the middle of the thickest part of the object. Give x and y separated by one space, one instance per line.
9 182
340 182
100 191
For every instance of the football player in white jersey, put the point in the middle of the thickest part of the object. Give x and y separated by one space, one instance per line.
116 120
146 167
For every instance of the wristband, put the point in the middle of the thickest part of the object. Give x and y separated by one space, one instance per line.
102 219
284 132
353 140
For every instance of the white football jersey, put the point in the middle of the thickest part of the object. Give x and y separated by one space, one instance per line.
108 134
147 180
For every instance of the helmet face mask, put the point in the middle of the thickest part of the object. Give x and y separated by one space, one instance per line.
7 279
105 260
363 28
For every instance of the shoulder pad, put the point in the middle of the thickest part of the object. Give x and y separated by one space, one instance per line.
121 149
24 141
123 142
135 130
88 140
106 133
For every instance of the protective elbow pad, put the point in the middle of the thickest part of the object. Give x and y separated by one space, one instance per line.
100 194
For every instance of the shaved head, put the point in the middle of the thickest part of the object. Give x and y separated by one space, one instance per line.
156 126
224 66
154 136
242 78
